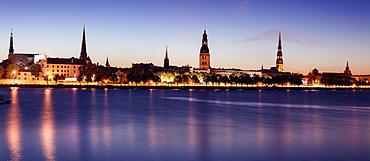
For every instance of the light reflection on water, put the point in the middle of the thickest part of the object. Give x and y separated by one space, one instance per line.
47 130
14 128
97 124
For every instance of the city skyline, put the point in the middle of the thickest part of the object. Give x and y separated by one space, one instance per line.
241 34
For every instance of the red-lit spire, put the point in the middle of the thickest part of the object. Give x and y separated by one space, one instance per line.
347 70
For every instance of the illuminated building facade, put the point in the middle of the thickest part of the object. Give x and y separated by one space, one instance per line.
68 67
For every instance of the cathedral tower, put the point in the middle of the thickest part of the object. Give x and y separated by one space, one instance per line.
11 49
166 60
204 56
279 59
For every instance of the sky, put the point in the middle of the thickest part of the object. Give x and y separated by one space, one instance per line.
241 33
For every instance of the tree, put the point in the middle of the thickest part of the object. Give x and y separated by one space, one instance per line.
2 71
56 78
87 71
225 79
35 69
137 79
178 79
156 79
185 79
195 79
103 73
11 70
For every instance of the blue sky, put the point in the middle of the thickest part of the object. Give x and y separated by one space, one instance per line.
242 34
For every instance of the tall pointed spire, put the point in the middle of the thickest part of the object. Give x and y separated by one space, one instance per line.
279 59
83 54
347 70
166 60
107 63
11 48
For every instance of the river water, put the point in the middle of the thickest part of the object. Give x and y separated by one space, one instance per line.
98 124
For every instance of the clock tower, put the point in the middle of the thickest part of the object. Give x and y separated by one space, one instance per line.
204 56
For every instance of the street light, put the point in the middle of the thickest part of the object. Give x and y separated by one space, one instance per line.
14 72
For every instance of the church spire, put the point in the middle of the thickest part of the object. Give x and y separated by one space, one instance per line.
11 48
279 59
347 71
166 60
107 63
83 54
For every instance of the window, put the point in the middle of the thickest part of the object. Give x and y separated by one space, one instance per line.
74 66
47 66
52 71
58 66
74 71
57 70
52 66
25 78
25 73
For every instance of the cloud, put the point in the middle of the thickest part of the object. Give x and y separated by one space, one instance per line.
242 8
272 35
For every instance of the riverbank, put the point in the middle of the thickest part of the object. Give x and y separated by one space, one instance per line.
186 87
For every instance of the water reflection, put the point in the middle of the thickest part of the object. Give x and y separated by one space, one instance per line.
192 124
106 122
93 129
47 128
74 130
14 129
152 129
189 125
260 124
